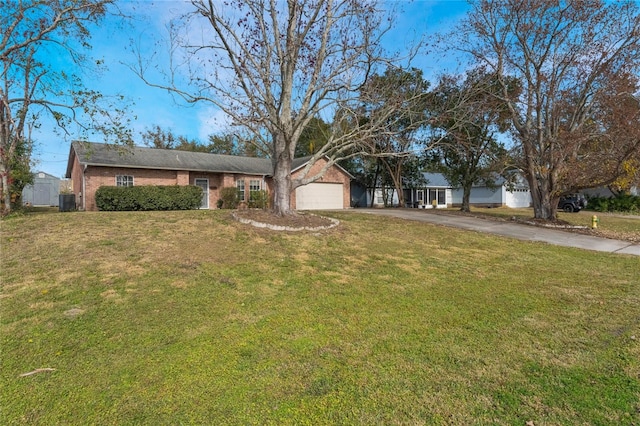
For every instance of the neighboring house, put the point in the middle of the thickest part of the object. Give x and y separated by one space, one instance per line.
92 165
43 192
514 195
380 195
358 194
361 196
438 188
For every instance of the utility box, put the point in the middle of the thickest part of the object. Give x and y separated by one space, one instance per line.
67 202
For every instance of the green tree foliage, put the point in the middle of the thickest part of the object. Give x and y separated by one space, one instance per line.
314 136
225 143
20 174
36 36
395 146
468 117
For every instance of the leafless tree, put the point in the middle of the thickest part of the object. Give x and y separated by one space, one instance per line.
32 33
569 56
274 66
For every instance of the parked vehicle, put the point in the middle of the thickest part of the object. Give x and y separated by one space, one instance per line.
572 203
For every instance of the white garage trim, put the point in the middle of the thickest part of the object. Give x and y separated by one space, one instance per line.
320 196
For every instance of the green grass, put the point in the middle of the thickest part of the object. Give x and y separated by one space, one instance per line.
191 318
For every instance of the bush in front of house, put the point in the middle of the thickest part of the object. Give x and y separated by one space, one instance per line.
228 198
145 198
618 203
258 199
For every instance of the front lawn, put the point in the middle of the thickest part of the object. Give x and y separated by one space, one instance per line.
192 318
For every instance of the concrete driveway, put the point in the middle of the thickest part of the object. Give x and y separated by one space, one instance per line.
512 230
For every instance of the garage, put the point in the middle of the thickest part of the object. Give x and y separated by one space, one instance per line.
320 196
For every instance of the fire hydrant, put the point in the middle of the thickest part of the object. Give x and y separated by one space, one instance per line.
594 222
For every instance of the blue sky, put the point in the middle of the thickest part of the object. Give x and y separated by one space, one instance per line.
152 106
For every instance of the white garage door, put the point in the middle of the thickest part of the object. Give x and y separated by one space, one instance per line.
518 198
319 196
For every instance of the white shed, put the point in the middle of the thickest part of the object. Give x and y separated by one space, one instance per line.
43 192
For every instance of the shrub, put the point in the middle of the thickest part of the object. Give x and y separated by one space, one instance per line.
617 203
229 197
126 198
258 199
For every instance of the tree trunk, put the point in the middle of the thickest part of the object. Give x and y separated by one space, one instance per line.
396 178
544 205
466 195
282 161
375 183
5 191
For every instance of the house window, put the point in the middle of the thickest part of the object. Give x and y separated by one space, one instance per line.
254 186
241 191
438 195
124 180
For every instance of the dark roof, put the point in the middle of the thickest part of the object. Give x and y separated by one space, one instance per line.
435 180
99 154
439 180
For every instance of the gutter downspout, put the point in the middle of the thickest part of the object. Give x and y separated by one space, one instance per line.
84 192
264 186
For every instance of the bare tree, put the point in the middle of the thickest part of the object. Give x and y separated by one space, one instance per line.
273 66
568 56
32 33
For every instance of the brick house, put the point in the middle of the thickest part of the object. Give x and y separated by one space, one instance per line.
92 165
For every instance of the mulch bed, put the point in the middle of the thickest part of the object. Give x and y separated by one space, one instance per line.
294 220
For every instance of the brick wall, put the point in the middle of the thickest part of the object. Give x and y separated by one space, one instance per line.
97 176
76 182
215 180
332 175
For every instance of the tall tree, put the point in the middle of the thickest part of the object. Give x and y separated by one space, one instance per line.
470 119
20 171
223 143
569 56
34 33
396 144
612 133
273 66
313 137
159 138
